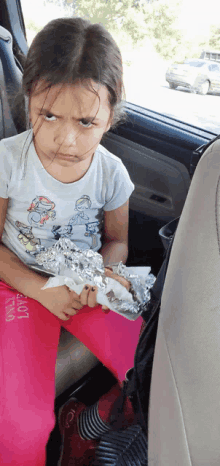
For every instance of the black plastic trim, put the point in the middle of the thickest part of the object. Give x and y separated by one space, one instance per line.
164 134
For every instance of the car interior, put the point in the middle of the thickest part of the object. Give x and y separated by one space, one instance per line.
157 150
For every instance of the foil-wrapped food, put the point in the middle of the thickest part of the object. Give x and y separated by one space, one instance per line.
74 268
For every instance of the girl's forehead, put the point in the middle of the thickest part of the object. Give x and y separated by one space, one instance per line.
79 98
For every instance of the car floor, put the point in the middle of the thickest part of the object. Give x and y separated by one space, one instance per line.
88 390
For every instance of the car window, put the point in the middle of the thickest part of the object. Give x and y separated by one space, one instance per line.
198 64
156 38
210 55
215 68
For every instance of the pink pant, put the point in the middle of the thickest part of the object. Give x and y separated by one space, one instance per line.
29 341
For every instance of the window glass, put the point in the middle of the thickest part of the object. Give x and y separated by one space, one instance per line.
162 43
215 68
198 64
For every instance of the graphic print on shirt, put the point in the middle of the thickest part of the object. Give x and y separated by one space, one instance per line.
27 239
83 203
80 218
91 230
41 210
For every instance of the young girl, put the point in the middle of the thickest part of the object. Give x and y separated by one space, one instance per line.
56 180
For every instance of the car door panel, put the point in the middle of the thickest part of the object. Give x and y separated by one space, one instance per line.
164 134
161 183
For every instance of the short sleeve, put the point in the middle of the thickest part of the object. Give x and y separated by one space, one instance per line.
120 189
5 170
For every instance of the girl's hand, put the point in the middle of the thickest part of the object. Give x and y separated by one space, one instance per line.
61 301
64 303
89 293
122 280
88 297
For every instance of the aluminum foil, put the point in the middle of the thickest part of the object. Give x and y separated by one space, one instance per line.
77 268
140 287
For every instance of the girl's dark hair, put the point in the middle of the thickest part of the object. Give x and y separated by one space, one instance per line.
68 50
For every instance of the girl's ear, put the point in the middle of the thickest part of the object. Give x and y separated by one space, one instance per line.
108 127
109 124
29 109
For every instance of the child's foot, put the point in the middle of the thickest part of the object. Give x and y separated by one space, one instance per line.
76 451
81 427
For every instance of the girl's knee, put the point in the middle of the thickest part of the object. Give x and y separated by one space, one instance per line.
24 437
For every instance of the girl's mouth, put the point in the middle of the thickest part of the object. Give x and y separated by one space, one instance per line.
67 156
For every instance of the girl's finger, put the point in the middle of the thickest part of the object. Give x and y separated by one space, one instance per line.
106 309
84 295
122 280
64 316
74 295
77 305
92 296
108 272
70 312
75 300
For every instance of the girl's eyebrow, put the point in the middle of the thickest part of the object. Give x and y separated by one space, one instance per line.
45 111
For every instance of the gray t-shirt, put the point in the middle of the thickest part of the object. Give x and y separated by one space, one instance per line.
42 209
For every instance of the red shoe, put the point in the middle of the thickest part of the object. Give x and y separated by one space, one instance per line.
75 450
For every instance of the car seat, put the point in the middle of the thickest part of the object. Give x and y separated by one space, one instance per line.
13 104
74 360
184 410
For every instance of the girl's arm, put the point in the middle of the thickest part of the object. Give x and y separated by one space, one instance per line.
115 238
59 301
12 270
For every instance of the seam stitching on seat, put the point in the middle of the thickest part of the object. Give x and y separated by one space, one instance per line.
178 398
216 213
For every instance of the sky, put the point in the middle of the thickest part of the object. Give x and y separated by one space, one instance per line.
197 15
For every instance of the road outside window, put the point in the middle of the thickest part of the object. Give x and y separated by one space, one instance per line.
157 38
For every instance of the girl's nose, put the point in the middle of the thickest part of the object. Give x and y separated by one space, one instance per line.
66 136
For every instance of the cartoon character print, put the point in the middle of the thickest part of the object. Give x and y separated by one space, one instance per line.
62 231
26 237
82 204
41 210
67 231
91 229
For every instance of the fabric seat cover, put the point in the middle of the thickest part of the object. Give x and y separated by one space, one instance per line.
184 413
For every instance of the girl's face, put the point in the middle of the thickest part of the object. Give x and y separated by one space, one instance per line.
69 122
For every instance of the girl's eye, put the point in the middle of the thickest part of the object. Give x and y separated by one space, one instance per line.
50 117
86 123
